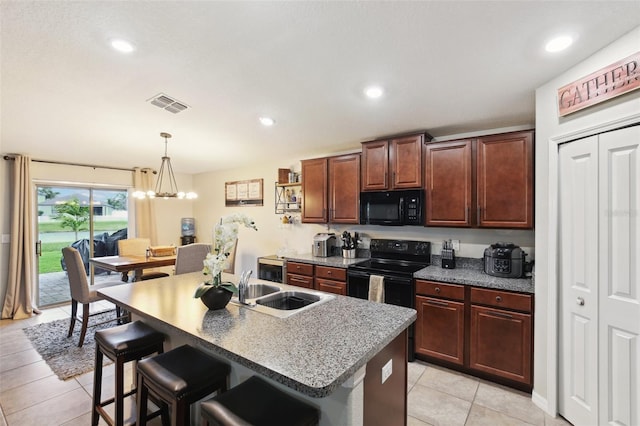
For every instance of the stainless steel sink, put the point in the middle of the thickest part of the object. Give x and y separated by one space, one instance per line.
271 300
258 290
288 300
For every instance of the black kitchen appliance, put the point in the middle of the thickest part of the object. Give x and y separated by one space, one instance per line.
392 208
396 261
504 260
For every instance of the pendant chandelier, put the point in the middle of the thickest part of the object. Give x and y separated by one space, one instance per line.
166 186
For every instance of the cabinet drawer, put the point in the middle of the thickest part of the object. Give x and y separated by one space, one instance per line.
336 274
330 286
300 280
431 288
300 268
502 299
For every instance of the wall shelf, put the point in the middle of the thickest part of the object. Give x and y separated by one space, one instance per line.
288 197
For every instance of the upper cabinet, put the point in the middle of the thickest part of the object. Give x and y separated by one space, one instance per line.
331 189
485 182
505 180
344 189
314 190
449 183
392 164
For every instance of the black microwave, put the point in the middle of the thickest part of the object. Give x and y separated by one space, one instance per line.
392 207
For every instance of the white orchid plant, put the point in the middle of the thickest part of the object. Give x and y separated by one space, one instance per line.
225 234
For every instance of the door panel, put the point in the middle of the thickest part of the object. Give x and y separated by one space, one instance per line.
600 344
619 155
578 273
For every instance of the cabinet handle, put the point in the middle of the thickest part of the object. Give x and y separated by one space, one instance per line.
436 303
498 299
328 272
438 290
499 314
580 301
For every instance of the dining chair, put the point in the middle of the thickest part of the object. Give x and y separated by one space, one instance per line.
82 293
231 260
189 258
137 247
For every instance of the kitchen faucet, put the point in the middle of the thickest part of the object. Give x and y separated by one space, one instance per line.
243 286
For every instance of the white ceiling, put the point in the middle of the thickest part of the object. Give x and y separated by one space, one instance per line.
447 66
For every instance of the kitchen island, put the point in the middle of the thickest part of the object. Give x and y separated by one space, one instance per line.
331 354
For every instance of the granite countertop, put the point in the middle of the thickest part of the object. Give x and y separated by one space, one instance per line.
470 272
335 261
313 351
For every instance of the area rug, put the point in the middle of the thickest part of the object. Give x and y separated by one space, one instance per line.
62 354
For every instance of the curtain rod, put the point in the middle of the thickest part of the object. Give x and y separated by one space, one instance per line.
64 163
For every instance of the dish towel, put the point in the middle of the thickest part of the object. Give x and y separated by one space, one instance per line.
376 288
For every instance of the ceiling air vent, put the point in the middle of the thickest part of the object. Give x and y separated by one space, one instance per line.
166 102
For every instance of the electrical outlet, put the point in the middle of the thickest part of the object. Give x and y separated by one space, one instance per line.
387 369
455 245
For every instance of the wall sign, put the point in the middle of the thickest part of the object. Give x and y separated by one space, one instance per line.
243 193
602 85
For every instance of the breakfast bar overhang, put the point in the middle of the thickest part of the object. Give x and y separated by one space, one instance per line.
346 356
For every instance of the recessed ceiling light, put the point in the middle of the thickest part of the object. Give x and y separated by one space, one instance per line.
373 92
122 46
558 44
267 121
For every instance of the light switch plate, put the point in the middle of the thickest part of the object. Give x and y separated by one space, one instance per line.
387 370
455 244
6 238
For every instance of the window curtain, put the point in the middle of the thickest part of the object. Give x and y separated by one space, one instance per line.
18 301
145 217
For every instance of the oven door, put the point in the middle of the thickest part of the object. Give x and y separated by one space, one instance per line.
397 290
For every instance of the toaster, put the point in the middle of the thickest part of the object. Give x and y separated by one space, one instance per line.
323 244
504 260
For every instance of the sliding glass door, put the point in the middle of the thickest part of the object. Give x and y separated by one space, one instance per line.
69 216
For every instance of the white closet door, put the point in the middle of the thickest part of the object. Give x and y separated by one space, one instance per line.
578 262
619 277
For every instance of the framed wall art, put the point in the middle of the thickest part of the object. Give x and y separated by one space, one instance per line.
244 193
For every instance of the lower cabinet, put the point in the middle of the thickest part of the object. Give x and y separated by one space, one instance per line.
501 337
440 324
479 331
300 274
324 278
331 280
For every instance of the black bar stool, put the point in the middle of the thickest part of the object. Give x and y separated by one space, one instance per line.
121 344
256 402
179 378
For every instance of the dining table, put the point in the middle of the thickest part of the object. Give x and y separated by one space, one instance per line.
138 264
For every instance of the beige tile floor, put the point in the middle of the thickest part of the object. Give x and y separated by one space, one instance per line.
30 394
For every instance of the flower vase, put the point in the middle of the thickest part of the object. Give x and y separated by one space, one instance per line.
216 298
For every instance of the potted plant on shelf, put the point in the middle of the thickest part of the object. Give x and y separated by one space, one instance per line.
215 293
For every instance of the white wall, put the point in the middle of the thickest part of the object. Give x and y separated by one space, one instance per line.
550 130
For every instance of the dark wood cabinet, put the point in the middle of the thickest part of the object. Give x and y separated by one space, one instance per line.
314 190
331 280
344 189
505 180
331 189
501 334
478 331
439 331
449 183
324 278
300 274
392 164
483 182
